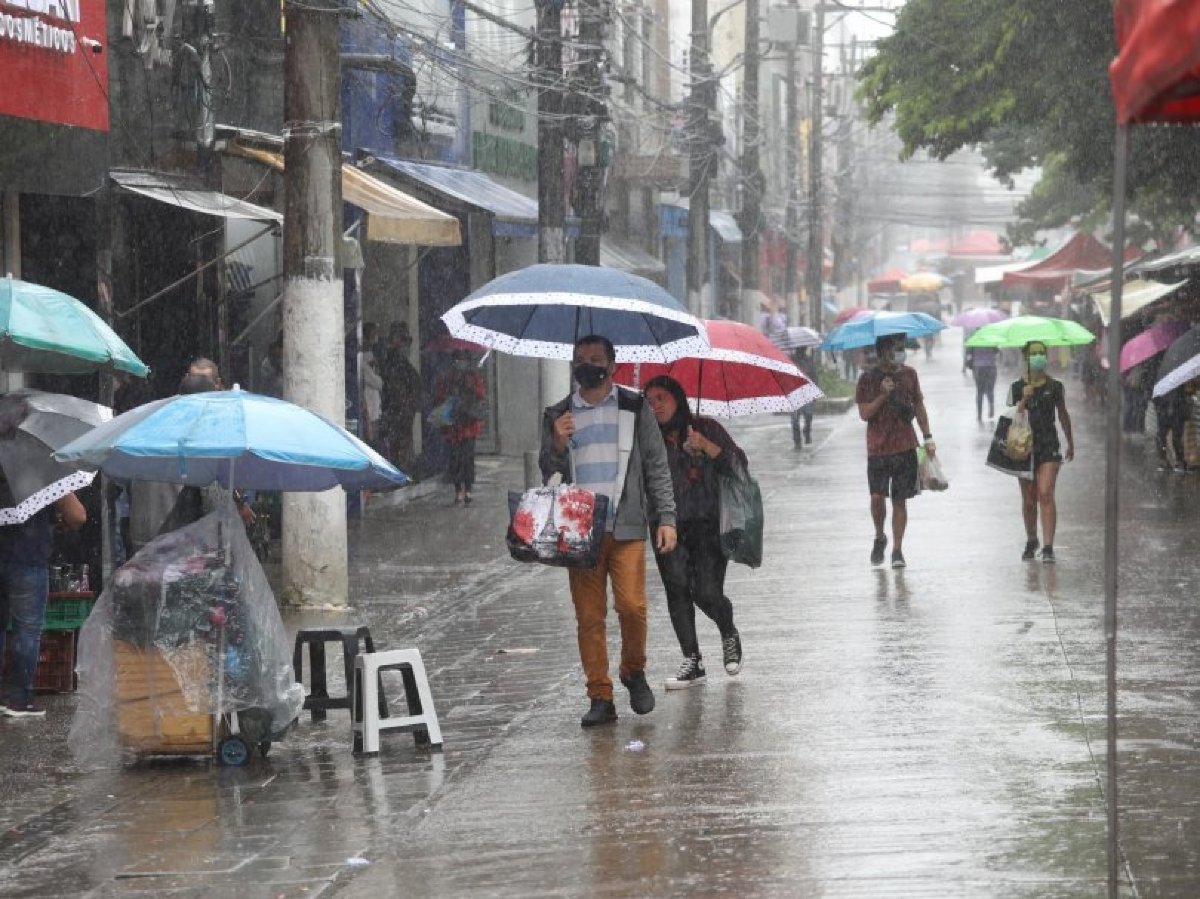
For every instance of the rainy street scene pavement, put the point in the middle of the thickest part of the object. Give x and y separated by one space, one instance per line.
931 731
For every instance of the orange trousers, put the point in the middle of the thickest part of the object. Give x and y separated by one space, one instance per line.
624 563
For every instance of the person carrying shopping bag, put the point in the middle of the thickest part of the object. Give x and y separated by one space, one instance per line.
699 450
1041 397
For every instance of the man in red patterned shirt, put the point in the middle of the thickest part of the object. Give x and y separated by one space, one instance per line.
889 398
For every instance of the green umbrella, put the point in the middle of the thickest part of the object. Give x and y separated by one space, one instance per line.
1016 332
45 330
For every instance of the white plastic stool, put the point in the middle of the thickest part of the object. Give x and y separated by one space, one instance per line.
367 719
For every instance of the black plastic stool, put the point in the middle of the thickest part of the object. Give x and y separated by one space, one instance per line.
351 636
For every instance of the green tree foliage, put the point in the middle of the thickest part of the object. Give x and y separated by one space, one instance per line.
1027 82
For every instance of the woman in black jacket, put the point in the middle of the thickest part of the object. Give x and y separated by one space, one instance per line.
698 450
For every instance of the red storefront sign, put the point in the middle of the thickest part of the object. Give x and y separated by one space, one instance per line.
54 62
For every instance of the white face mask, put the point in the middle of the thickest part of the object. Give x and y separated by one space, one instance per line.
898 356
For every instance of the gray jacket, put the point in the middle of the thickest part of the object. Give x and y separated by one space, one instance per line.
648 493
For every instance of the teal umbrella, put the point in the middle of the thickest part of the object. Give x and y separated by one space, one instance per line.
1016 332
45 330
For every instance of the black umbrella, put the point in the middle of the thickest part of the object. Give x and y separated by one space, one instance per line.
1180 363
33 425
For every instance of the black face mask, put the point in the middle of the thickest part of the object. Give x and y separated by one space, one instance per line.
590 376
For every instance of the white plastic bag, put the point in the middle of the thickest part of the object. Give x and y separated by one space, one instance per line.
929 472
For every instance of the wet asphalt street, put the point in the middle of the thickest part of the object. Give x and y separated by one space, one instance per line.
937 731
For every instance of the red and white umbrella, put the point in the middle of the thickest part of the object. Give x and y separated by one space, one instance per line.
742 374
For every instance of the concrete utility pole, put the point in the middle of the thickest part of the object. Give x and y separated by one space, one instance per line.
813 275
791 220
752 176
549 78
590 122
314 524
699 160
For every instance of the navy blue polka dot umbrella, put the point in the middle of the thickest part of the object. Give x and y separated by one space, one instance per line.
540 311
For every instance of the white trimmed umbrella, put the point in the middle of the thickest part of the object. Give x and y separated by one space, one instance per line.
34 424
795 337
743 373
542 310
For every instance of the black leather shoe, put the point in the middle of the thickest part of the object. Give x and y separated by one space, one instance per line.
641 697
601 712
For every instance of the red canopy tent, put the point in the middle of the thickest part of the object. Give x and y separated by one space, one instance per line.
1155 78
1082 251
978 243
888 282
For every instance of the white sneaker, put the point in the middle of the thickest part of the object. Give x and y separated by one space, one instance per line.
690 673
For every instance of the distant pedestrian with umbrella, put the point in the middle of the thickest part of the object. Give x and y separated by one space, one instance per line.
1042 398
698 450
889 398
605 439
1172 412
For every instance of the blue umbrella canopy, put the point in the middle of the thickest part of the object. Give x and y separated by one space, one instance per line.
234 438
542 310
865 330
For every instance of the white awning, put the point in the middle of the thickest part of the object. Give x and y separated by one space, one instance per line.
176 192
990 274
1135 296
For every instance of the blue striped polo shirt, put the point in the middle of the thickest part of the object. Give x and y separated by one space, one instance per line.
594 448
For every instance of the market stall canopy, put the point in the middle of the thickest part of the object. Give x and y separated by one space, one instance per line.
1082 251
175 191
392 215
888 282
1156 75
978 244
1135 296
1188 258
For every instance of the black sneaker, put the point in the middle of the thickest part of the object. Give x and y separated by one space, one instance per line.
897 559
690 673
1048 555
28 710
877 549
601 712
731 650
641 697
1030 553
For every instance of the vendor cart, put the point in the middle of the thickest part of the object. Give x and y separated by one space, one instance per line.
185 652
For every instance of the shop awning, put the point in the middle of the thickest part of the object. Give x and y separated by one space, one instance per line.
628 258
673 221
177 192
723 223
1183 259
392 215
1135 296
514 214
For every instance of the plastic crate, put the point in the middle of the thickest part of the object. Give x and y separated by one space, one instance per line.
56 662
68 612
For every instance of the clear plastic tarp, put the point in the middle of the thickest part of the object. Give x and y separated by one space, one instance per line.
186 630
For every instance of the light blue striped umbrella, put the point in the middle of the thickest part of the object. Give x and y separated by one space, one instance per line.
543 309
866 329
233 438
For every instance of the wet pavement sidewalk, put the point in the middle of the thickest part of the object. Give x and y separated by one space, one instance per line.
936 731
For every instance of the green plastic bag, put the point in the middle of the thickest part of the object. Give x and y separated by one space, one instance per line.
741 517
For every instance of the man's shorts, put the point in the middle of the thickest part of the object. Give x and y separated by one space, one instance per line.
894 476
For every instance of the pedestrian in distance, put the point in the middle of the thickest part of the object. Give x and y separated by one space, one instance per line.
804 362
372 384
1042 398
698 451
606 440
461 389
983 367
402 396
1172 411
889 398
